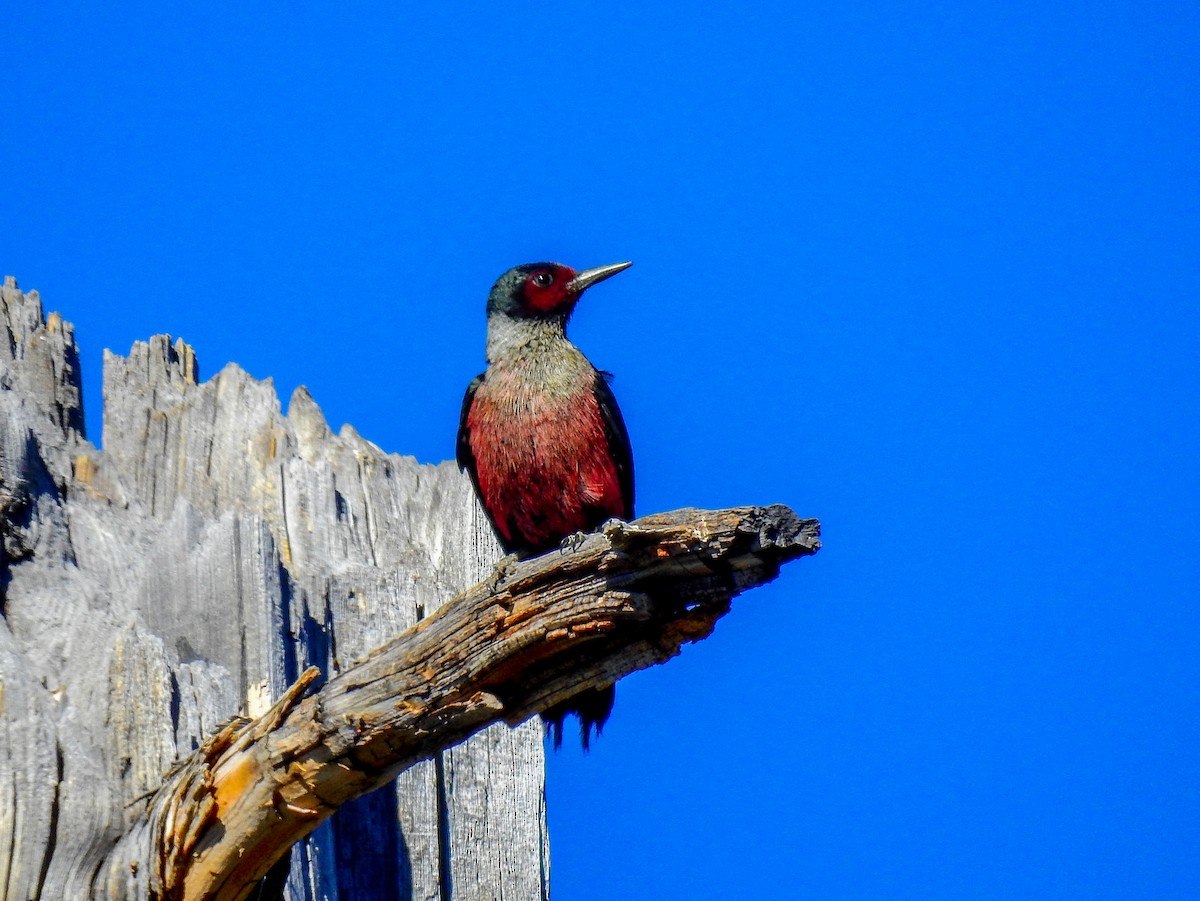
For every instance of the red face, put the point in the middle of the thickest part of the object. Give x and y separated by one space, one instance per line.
545 289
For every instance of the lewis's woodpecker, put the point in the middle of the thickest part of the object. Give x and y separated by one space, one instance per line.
541 434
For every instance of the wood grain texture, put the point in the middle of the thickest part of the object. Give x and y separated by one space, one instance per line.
189 572
529 635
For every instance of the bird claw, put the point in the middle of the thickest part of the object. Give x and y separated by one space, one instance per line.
573 542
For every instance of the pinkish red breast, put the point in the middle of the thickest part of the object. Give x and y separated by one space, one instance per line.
543 465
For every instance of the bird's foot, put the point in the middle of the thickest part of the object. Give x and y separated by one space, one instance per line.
573 541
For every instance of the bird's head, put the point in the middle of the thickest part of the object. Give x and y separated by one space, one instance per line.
544 290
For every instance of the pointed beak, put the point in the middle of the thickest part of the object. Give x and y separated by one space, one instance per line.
584 280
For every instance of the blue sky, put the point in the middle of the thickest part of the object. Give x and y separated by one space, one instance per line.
928 272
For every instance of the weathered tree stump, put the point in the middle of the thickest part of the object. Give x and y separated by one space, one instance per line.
223 630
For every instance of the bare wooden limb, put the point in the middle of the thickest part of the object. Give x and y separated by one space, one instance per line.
534 633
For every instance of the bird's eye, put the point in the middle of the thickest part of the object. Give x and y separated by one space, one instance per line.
543 279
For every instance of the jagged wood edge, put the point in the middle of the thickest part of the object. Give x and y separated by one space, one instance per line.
533 634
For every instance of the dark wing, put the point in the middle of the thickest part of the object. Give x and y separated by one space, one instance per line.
618 439
466 457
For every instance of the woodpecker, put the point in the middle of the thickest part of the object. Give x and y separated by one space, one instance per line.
542 437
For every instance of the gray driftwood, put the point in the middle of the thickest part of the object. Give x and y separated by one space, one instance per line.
167 605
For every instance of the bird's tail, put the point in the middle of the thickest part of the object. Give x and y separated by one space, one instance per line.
592 706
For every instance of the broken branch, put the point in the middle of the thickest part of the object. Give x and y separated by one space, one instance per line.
536 632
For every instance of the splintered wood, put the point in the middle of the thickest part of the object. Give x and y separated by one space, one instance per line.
282 774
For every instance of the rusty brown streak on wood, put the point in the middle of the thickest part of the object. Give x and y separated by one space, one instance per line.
536 632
